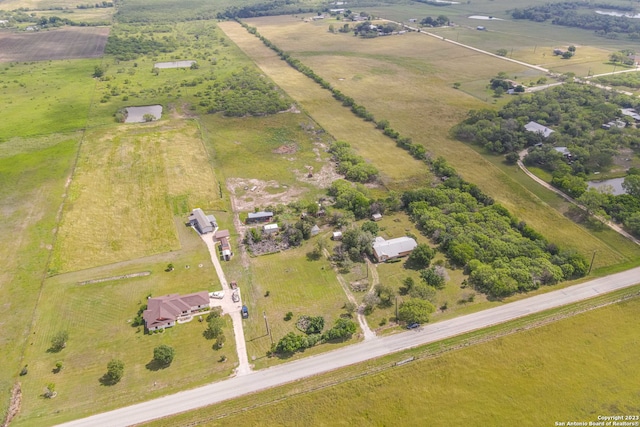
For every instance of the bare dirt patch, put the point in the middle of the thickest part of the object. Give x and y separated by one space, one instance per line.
286 149
63 43
251 193
14 406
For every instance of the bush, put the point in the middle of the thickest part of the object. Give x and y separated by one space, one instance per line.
163 354
115 371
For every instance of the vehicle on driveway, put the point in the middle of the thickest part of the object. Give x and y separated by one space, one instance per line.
233 285
235 297
413 325
245 312
217 294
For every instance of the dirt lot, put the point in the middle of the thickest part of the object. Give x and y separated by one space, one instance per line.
63 43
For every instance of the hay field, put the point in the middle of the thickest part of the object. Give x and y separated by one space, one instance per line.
398 170
408 80
129 182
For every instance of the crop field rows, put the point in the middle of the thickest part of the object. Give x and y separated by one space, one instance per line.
67 43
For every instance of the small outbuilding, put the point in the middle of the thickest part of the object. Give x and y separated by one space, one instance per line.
564 151
270 228
254 217
376 217
337 235
315 230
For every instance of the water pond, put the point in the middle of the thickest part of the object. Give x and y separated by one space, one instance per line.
136 114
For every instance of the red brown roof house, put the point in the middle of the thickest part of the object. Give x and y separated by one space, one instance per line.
222 237
163 312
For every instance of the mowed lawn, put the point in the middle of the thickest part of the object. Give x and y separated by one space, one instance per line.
98 319
32 178
129 182
398 170
294 284
571 370
41 98
408 80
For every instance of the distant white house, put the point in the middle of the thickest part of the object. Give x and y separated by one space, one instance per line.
201 222
385 250
538 128
631 113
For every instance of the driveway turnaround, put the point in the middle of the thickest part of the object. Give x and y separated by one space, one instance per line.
365 350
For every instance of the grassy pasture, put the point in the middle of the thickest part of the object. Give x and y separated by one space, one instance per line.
40 4
97 317
527 375
423 105
32 178
295 284
130 181
398 171
92 16
55 96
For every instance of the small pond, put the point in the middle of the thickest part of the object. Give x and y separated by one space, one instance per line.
174 64
136 114
615 183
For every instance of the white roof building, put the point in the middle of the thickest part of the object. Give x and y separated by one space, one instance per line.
538 128
385 250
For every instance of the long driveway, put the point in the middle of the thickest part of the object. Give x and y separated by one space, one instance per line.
231 308
365 350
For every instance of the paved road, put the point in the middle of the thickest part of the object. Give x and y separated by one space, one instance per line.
370 349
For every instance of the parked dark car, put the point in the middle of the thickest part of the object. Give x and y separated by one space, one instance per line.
413 325
245 312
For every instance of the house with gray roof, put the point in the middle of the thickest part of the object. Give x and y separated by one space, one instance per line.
201 222
631 113
385 250
538 128
564 151
163 312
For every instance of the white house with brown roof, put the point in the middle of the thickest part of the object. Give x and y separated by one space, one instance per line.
163 312
385 250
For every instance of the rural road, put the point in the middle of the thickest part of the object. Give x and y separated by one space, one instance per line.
365 350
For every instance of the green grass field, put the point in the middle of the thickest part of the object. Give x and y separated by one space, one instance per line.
295 284
98 317
129 182
55 95
32 179
525 376
420 103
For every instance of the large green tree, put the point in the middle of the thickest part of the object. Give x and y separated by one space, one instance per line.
115 371
163 354
415 311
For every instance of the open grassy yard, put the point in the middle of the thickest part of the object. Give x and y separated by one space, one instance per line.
295 284
129 182
32 177
54 95
98 319
571 370
413 73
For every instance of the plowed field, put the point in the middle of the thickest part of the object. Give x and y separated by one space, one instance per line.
64 43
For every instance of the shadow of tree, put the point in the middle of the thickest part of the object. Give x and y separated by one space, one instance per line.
155 365
106 380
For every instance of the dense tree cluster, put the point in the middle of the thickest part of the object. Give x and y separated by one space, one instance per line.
440 21
630 80
247 93
572 14
501 254
352 166
126 48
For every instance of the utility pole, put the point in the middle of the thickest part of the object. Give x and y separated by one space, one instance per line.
397 309
592 259
266 324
